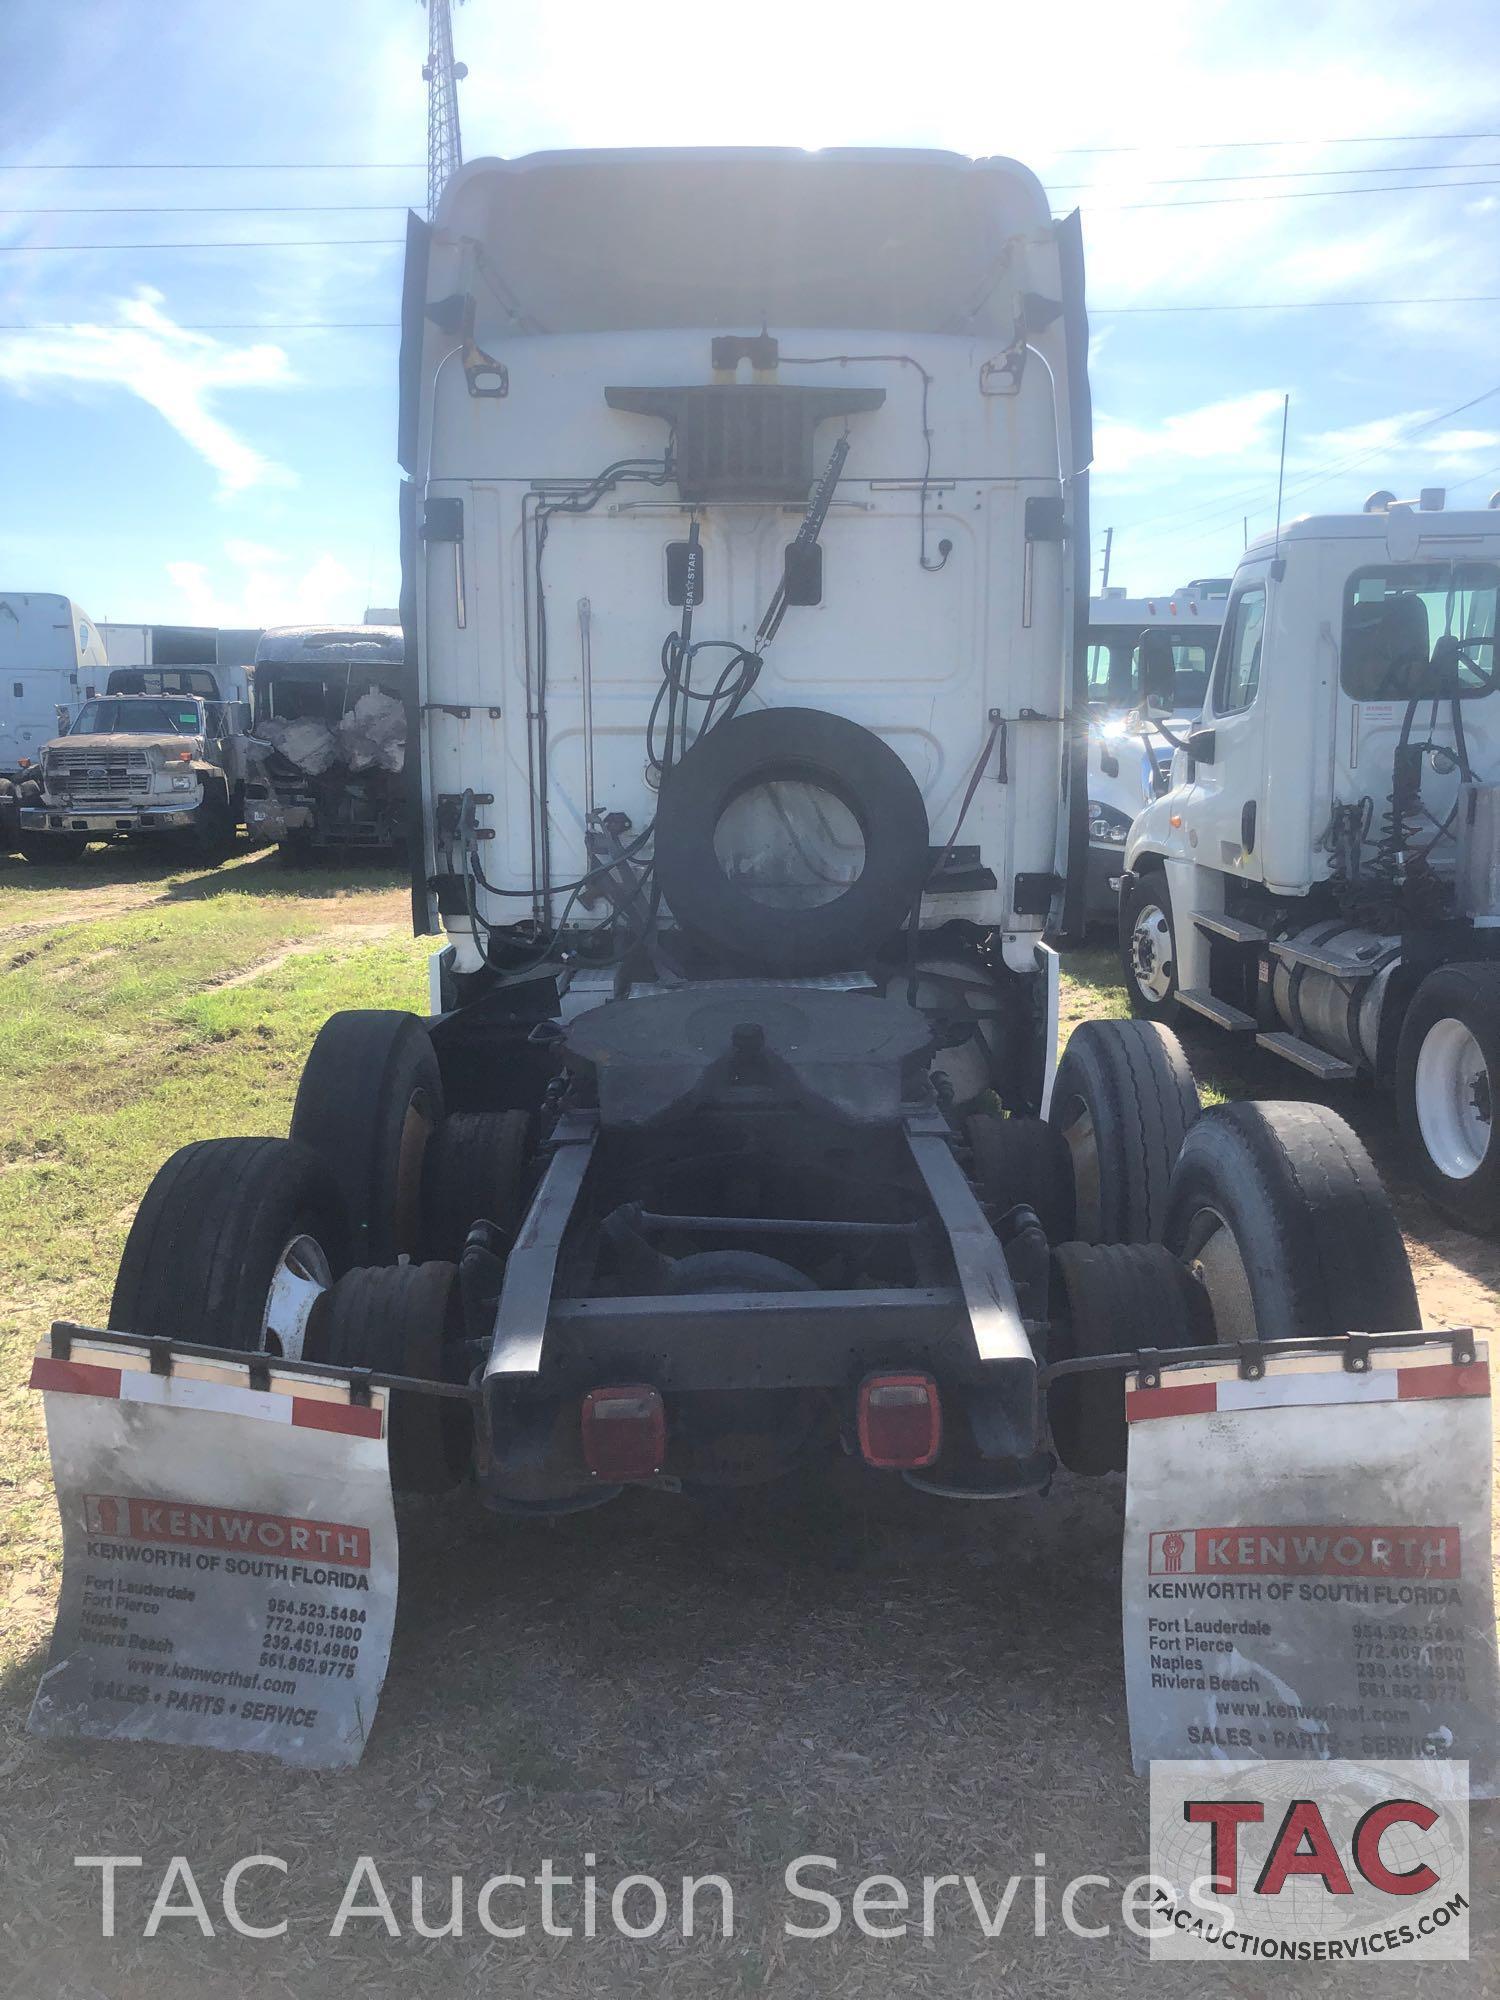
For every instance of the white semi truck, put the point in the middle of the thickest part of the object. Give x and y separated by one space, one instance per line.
745 554
1323 875
1139 649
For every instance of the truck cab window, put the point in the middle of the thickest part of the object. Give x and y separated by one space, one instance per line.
1237 679
1414 629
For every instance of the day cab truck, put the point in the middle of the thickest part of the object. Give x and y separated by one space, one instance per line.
134 765
1139 650
1323 875
745 545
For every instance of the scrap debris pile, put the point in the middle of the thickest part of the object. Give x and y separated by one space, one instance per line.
370 736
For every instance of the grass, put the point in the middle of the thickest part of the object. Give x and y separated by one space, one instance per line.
908 1687
181 1010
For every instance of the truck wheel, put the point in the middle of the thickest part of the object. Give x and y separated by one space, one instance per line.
214 828
474 1168
235 1244
368 1103
1123 1100
399 1321
1278 1210
1148 949
1447 1072
1024 1159
52 850
1113 1298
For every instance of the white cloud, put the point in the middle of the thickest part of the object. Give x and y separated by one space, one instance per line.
258 586
1218 431
177 372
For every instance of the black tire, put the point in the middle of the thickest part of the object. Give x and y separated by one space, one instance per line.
1447 1079
1123 1100
52 850
475 1168
214 829
398 1321
1146 925
1279 1209
210 1232
1113 1298
369 1100
1024 1160
791 745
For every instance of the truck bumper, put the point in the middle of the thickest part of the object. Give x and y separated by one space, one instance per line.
274 819
143 819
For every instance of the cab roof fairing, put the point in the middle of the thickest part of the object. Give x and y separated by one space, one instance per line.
322 648
1468 524
612 241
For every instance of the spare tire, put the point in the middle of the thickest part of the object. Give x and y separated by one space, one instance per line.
791 746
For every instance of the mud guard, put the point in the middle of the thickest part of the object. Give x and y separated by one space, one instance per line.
229 1552
1307 1565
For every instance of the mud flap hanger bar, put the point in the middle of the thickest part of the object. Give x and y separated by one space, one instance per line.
164 1352
1354 1349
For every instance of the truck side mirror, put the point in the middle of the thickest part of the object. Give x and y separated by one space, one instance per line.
1202 745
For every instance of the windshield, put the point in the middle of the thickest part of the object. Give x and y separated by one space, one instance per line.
1114 657
137 718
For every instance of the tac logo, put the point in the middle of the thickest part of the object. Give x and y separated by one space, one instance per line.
1315 1862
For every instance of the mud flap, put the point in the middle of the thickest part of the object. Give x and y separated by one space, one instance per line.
1307 1567
229 1552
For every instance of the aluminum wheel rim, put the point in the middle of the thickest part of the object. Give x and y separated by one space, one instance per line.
1453 1104
302 1277
1212 1254
1151 953
1077 1127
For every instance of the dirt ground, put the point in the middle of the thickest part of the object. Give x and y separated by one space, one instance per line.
857 1672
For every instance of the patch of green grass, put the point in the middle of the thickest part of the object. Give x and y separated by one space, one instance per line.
122 1036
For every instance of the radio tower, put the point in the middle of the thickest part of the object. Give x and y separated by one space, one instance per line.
441 73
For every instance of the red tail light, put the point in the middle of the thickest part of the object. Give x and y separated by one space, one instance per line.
900 1421
624 1432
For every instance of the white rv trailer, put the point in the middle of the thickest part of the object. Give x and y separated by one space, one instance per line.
51 655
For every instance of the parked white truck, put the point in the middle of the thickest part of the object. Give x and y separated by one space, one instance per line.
164 766
745 544
1324 873
1139 649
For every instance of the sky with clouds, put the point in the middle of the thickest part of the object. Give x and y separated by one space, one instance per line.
172 451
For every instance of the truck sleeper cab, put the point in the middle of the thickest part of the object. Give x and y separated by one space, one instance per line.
744 532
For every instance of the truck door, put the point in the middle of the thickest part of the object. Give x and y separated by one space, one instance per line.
1230 786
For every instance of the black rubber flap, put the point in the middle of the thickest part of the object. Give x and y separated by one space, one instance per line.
744 1041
